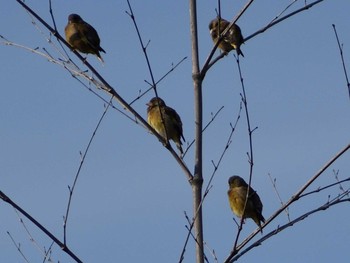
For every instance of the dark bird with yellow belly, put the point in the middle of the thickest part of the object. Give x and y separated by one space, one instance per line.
82 36
233 39
160 116
237 195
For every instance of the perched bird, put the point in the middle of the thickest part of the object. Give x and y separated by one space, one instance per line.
237 196
82 36
160 115
233 39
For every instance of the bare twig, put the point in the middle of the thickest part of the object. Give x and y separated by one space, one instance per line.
71 189
250 154
31 238
273 182
342 58
213 117
326 187
275 22
227 145
165 75
18 246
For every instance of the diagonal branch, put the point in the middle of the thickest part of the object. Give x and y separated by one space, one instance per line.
342 59
6 199
109 89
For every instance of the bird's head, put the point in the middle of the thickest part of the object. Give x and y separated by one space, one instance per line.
154 102
74 18
236 181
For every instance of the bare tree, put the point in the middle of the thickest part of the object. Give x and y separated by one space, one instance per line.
94 81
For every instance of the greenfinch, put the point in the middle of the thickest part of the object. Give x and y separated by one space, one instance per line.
233 38
82 36
159 116
237 194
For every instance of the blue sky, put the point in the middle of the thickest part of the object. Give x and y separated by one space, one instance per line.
131 195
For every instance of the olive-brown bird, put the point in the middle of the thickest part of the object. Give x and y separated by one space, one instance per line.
233 39
237 196
160 115
82 36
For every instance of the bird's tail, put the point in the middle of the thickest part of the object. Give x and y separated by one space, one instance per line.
239 52
178 145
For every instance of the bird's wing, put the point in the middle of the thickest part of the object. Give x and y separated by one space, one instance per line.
175 120
91 36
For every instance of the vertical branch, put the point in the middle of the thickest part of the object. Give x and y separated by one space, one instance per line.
197 181
250 154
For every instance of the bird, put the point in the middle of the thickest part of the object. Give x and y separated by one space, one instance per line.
82 36
233 39
237 194
160 116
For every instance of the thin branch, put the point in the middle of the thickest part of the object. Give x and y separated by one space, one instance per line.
71 189
143 46
262 30
227 145
273 182
6 199
189 234
326 187
48 252
213 117
18 246
31 238
284 10
250 154
164 76
342 58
